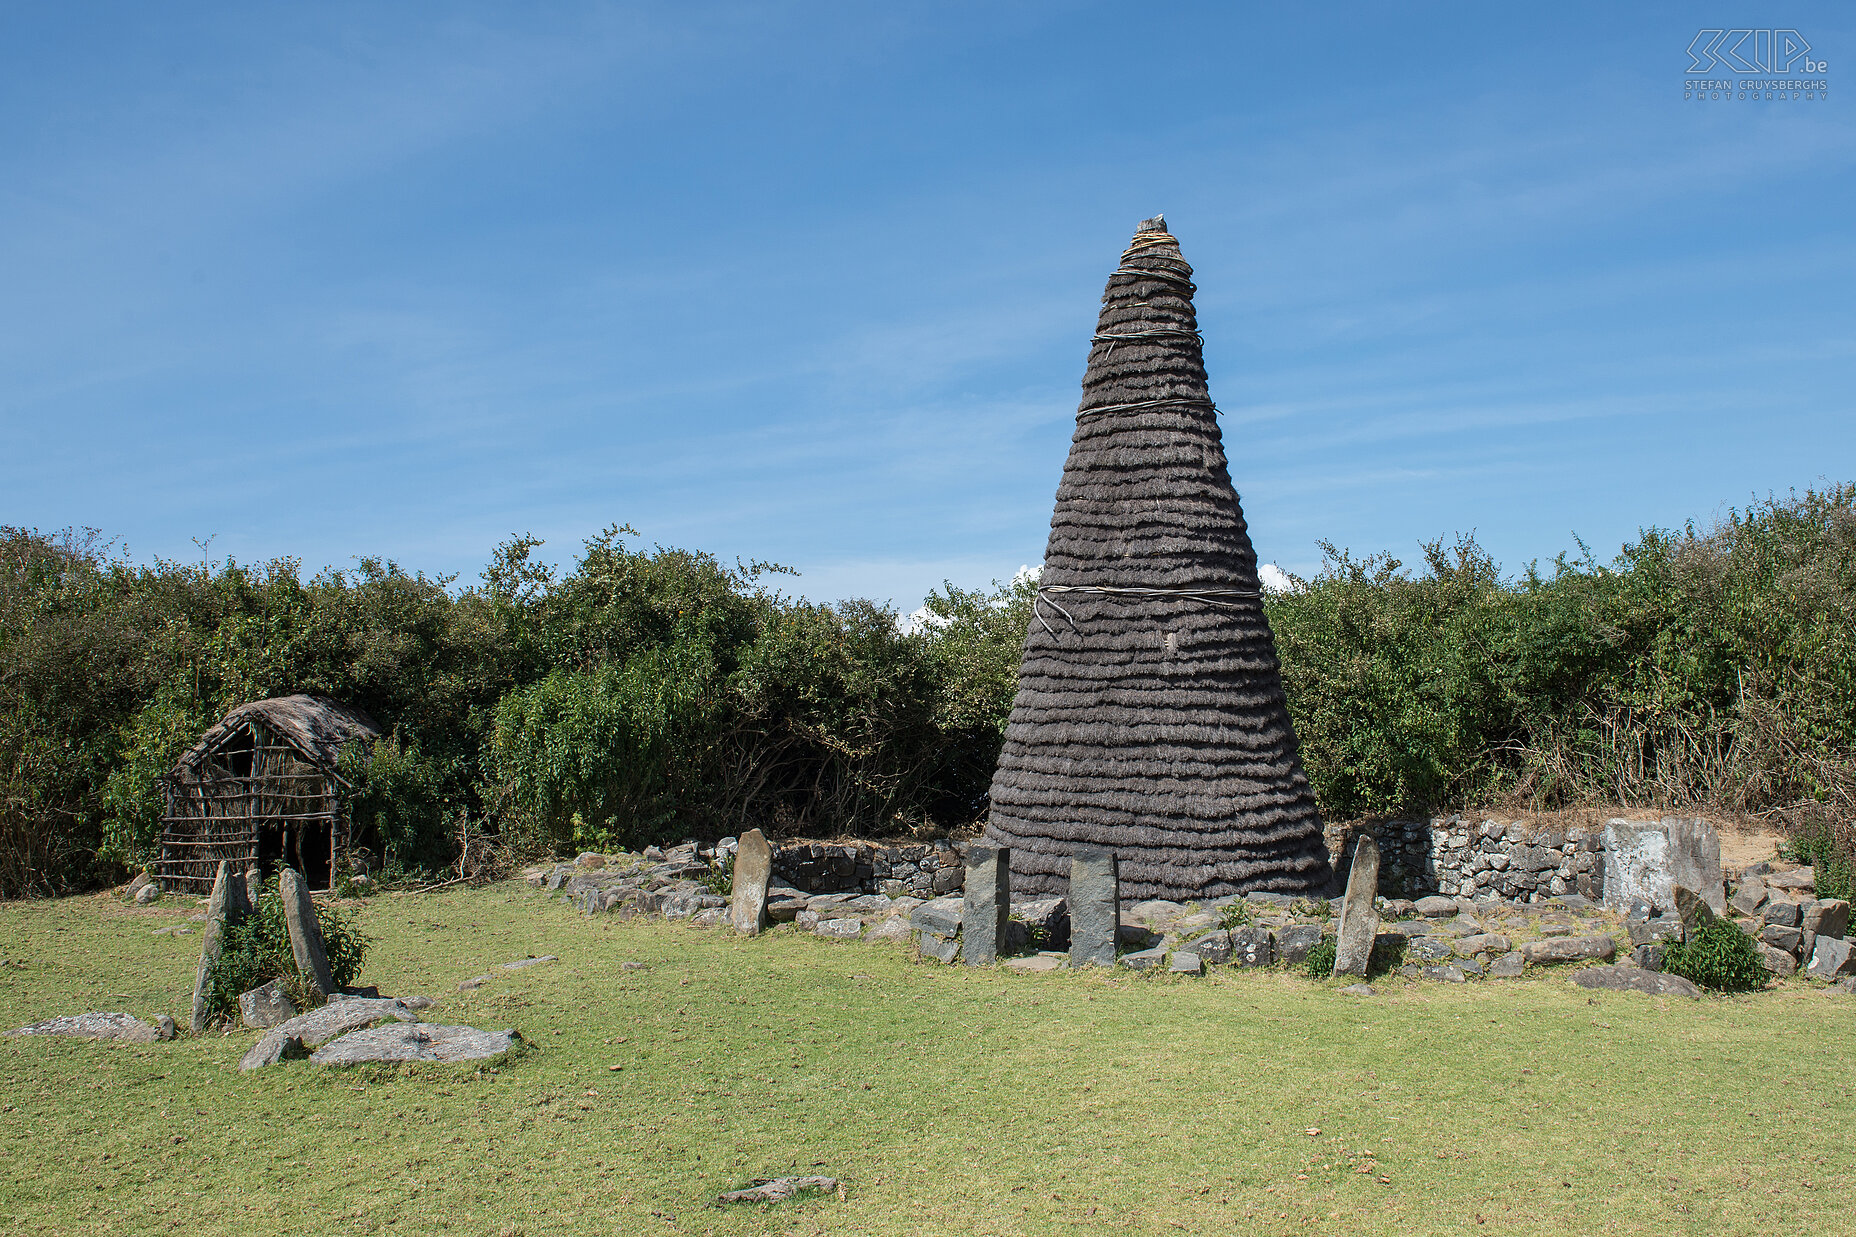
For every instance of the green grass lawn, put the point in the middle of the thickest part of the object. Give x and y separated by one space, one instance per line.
948 1100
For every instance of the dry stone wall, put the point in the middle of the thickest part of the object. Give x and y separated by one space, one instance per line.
1458 856
916 871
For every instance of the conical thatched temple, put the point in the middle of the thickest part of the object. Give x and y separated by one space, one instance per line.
1150 716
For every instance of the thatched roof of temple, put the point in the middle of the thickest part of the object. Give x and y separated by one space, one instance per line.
1150 717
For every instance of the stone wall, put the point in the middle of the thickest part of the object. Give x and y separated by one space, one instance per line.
918 871
1514 860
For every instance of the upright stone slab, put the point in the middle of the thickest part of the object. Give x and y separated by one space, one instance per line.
1637 865
254 886
227 905
1095 906
747 904
1359 918
312 960
1695 859
986 903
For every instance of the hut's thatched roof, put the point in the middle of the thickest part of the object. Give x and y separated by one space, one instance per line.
315 725
1149 717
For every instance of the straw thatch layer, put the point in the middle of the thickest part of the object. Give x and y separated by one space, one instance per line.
316 726
1153 724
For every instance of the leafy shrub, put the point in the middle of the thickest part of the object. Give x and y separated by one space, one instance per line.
1320 961
1717 955
1829 850
256 950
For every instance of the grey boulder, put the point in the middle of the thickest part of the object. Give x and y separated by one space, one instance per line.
266 1006
1831 958
1826 917
1212 948
1508 966
1779 961
1294 942
1252 946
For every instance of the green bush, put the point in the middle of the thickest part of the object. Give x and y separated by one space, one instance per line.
256 950
1717 955
1320 960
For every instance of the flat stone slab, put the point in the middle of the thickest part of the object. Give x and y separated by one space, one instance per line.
524 963
102 1024
473 983
1358 990
1804 880
1144 959
1186 963
1482 942
319 1026
1627 978
1039 962
941 917
1436 907
895 928
778 1189
840 929
415 1042
1569 949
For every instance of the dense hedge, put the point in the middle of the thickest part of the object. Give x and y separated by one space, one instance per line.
651 693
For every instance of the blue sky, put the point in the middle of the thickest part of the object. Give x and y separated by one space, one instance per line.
814 283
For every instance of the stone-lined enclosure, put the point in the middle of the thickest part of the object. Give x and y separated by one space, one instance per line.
1444 937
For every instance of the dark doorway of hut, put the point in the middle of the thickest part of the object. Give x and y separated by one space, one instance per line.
307 846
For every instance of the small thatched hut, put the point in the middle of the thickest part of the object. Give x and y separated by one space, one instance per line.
261 788
1150 717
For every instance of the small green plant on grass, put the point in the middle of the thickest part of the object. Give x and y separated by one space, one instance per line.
1717 955
256 950
1320 960
1234 915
